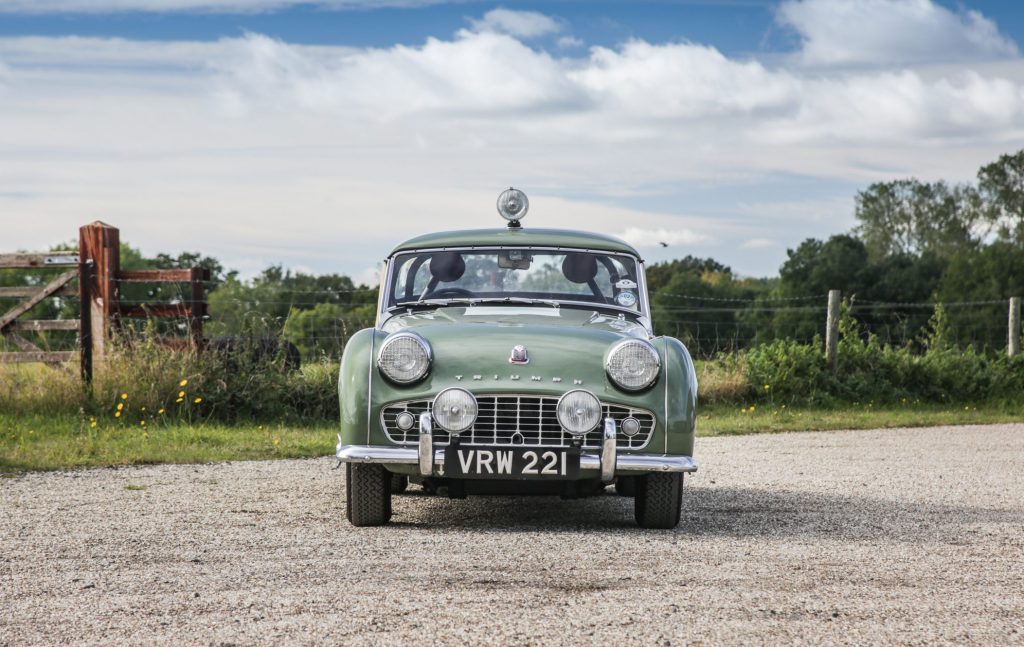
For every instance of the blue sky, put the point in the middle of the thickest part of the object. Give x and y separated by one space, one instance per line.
318 134
734 27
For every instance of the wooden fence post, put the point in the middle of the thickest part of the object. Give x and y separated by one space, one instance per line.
1013 345
197 305
85 271
832 330
100 244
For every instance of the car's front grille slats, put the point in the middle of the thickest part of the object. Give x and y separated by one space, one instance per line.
517 420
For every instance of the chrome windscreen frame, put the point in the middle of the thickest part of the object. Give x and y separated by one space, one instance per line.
643 316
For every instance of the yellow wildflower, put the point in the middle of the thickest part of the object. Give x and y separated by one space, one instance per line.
767 387
180 400
117 415
120 405
181 394
183 383
160 412
124 396
92 424
198 400
142 422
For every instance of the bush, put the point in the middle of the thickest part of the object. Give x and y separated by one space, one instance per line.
868 371
143 382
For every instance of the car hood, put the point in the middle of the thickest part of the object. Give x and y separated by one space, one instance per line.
480 338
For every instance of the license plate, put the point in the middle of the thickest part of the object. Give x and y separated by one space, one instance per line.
511 462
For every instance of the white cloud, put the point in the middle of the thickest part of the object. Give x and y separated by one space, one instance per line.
569 42
473 72
759 243
641 238
259 151
680 81
521 24
211 6
888 32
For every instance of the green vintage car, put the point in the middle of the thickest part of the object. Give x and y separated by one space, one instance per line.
516 361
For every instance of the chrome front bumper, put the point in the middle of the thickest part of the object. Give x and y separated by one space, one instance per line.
431 461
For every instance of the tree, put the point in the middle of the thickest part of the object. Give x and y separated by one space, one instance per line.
188 260
912 217
661 273
993 273
1001 184
697 300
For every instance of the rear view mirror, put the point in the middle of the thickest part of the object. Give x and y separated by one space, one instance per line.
514 259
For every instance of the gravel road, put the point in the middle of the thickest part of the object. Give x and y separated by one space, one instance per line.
890 536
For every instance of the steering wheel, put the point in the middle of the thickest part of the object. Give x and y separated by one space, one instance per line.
442 293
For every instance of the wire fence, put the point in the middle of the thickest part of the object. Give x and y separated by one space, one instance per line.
319 322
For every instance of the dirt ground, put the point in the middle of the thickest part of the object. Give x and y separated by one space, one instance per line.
888 536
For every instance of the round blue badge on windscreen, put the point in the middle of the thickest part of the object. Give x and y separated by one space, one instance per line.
626 299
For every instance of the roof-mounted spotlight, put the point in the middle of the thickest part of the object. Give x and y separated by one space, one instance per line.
513 205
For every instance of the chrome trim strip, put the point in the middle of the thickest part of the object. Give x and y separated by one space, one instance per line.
426 448
608 451
649 463
668 370
588 461
369 384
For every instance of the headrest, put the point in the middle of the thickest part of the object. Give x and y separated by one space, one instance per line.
579 267
447 266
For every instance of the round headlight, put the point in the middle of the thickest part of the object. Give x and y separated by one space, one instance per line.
454 410
404 358
579 412
633 365
513 204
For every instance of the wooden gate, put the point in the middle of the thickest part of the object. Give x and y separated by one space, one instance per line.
12 326
96 267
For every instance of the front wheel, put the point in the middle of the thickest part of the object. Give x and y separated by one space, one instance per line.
659 500
368 494
399 483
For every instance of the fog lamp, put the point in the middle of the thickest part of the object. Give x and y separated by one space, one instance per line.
579 412
454 410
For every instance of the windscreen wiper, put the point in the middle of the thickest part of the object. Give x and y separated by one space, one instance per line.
549 302
431 303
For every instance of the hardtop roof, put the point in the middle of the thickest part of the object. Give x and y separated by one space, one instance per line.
521 237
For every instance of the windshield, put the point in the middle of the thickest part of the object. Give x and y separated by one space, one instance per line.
515 274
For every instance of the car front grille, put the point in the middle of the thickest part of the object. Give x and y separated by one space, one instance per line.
517 420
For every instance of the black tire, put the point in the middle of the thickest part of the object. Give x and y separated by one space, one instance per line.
626 485
659 500
367 494
399 483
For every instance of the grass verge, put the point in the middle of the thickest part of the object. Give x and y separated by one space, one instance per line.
44 443
721 419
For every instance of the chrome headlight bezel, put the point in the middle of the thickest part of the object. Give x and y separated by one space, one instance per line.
442 415
614 369
584 427
386 370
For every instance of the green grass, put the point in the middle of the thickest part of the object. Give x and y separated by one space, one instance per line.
43 443
722 419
